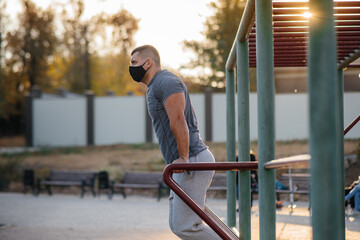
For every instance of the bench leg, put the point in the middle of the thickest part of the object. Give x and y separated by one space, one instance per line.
122 191
48 188
98 192
38 186
159 193
82 191
111 191
93 191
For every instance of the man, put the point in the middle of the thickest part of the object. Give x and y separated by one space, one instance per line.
176 127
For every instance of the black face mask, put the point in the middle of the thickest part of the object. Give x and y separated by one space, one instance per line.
137 73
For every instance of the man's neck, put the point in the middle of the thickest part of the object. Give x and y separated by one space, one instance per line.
150 76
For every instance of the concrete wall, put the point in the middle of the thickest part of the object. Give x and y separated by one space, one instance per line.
62 121
119 120
59 122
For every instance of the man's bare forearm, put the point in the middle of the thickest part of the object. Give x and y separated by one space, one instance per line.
180 130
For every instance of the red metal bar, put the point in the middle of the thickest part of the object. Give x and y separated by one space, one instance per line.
352 124
304 43
300 17
353 66
290 4
305 4
295 34
306 23
299 11
224 233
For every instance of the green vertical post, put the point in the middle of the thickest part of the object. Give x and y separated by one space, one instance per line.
322 86
339 115
243 137
230 148
266 118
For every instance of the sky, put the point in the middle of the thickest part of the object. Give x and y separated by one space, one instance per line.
164 24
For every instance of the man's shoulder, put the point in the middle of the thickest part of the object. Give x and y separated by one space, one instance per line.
166 79
167 75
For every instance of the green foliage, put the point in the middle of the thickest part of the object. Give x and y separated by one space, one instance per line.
10 171
220 31
68 54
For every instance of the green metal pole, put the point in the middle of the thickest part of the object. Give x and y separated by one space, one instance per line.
243 137
323 141
340 148
230 148
266 119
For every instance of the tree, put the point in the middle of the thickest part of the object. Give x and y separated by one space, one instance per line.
32 44
27 53
220 31
81 51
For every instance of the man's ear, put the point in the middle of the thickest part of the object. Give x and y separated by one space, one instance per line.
149 63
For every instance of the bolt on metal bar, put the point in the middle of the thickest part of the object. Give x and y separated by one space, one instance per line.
349 60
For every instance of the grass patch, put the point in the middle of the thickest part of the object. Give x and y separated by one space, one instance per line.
45 151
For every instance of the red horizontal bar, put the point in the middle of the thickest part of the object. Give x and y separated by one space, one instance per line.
219 166
353 66
303 47
292 57
295 34
306 23
305 4
347 3
290 4
301 17
300 11
253 65
304 43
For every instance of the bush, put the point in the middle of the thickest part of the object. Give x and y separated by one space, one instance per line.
10 170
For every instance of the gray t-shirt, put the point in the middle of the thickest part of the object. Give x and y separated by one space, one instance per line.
163 85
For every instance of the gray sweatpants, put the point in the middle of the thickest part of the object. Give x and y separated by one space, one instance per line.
185 223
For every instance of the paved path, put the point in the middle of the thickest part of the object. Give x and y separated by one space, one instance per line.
69 217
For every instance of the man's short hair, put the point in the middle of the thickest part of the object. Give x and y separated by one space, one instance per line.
148 51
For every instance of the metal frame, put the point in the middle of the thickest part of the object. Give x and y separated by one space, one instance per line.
205 213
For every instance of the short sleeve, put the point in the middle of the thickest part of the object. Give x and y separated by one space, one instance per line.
168 87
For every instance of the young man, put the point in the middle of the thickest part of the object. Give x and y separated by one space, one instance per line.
176 127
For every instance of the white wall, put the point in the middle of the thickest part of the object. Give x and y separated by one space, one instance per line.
59 122
291 116
198 102
119 120
62 121
351 111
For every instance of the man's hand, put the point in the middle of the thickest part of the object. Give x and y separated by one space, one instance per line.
180 160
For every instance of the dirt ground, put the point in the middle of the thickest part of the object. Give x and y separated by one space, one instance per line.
117 159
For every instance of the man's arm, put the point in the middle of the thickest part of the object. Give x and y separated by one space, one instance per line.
175 108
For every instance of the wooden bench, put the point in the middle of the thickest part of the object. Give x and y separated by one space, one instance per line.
141 180
84 179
